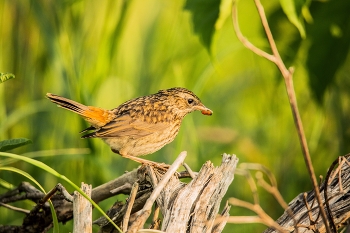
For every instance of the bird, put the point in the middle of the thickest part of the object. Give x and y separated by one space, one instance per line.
140 126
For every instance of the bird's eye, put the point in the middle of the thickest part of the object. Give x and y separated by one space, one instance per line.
190 101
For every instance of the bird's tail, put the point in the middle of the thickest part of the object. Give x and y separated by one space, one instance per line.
97 117
68 104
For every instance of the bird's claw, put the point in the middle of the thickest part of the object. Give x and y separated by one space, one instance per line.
161 166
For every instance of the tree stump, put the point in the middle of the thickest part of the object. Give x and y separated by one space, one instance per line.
191 207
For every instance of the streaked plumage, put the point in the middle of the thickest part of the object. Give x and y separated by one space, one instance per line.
139 126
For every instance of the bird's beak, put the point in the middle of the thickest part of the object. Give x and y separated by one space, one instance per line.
204 110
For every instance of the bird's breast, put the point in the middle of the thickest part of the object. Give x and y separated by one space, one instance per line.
144 145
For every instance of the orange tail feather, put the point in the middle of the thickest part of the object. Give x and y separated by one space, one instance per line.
97 117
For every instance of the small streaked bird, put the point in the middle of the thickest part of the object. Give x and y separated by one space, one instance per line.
139 126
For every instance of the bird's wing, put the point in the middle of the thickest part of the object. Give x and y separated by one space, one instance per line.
126 126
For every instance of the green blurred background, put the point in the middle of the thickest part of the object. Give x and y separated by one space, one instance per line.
103 53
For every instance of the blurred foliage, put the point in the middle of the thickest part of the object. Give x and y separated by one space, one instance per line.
330 35
10 144
294 11
6 76
103 53
204 16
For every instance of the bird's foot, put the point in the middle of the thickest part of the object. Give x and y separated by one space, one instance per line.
159 166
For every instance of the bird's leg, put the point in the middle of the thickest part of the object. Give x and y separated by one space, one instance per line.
144 161
162 166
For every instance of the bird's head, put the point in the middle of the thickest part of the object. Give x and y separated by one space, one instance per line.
184 101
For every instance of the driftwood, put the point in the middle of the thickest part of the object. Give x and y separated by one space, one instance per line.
199 199
39 219
191 207
306 217
83 208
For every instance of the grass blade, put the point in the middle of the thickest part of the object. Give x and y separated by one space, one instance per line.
58 175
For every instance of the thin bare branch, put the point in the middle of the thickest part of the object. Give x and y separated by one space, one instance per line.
251 183
262 168
243 39
189 170
15 208
265 218
131 201
278 60
340 161
288 78
58 187
245 219
272 190
123 187
144 214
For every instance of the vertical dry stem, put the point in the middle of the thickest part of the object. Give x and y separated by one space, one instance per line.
288 78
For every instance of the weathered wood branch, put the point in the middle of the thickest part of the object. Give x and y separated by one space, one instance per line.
305 208
194 207
39 218
219 178
83 209
191 207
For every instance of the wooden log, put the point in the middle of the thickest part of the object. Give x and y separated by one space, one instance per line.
193 207
82 211
306 217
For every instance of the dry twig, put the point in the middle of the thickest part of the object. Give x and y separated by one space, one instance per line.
264 218
288 78
10 207
271 188
131 201
306 210
196 203
142 217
